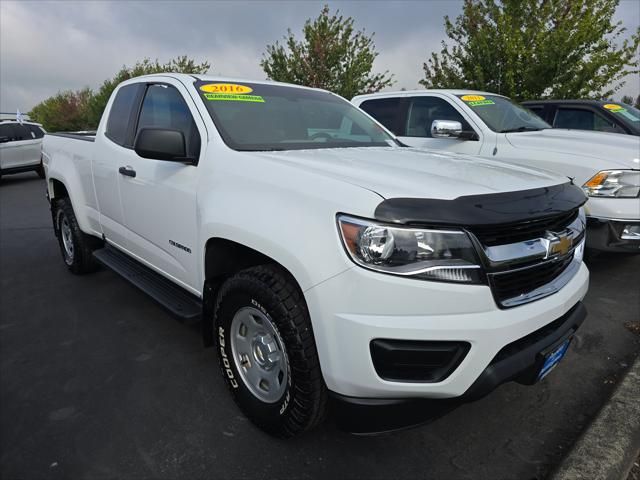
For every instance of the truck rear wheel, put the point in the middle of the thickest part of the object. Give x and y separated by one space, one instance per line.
76 246
267 351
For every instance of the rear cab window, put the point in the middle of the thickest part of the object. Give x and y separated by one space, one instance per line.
122 115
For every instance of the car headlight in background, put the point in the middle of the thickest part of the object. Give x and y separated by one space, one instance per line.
614 183
440 255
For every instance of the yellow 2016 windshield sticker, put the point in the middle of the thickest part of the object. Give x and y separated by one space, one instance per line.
472 98
477 100
619 109
234 98
231 88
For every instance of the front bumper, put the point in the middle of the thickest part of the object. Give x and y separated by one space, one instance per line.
355 307
613 235
519 361
606 221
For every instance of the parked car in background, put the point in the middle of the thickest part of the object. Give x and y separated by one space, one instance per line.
606 165
20 147
327 261
598 115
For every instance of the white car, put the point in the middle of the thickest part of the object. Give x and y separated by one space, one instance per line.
606 165
20 147
325 260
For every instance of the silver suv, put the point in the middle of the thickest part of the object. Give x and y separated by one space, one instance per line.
20 147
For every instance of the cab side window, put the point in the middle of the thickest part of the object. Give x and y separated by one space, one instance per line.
14 132
164 107
6 133
121 115
424 110
538 110
388 111
34 130
583 119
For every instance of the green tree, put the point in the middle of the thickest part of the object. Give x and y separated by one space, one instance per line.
332 55
100 98
82 109
535 49
65 111
628 99
637 104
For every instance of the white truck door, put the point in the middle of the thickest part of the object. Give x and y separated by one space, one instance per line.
33 154
113 148
160 201
422 111
11 154
410 117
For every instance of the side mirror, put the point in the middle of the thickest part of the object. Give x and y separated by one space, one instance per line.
161 144
446 129
4 139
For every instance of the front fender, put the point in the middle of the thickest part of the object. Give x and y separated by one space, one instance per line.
294 226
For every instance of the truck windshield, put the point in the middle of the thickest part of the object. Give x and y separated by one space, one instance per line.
263 117
502 115
626 114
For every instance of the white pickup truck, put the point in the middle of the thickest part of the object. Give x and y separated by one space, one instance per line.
606 165
325 260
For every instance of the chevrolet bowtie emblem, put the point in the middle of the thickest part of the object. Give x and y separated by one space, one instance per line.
558 244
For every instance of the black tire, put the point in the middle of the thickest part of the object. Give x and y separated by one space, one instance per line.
303 403
79 258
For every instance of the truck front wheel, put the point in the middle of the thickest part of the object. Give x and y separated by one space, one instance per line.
75 245
267 351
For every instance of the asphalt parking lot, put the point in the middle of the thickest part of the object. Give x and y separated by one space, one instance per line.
97 381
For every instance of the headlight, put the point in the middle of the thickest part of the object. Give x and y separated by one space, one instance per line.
614 183
441 255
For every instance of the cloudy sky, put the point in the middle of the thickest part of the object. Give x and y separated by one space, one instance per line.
47 46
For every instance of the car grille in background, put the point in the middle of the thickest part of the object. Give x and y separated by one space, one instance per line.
514 283
506 233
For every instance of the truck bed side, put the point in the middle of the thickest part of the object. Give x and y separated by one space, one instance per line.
67 158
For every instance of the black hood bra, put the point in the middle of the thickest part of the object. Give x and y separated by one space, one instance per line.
485 209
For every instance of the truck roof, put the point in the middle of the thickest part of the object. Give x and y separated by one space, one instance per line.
13 120
448 91
187 77
569 102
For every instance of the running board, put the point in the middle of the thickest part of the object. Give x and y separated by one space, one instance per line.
181 303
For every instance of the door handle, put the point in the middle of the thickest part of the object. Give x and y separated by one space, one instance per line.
128 171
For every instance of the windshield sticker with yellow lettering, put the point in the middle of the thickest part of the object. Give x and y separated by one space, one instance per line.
620 110
234 98
613 107
226 88
476 100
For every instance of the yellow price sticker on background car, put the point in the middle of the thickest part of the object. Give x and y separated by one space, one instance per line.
613 107
472 98
229 88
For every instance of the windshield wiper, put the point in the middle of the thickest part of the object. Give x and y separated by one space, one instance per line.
521 129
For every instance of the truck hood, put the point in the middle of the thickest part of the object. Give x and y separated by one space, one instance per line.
601 150
417 173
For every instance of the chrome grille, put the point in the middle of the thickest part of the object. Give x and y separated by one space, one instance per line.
527 270
507 233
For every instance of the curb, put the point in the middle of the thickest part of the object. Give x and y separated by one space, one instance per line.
608 447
